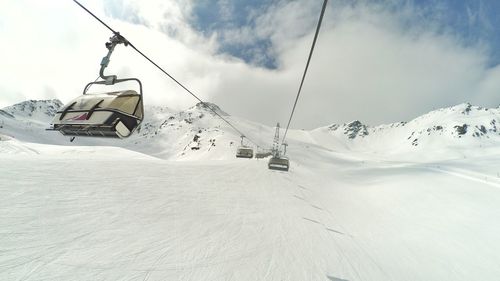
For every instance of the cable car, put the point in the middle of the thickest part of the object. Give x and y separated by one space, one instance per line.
244 152
279 163
110 114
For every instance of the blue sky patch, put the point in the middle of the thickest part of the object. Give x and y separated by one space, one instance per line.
223 15
472 22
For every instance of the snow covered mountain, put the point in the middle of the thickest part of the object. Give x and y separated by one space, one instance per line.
455 122
196 133
350 208
27 121
33 110
457 130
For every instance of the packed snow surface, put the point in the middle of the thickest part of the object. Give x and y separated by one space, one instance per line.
158 206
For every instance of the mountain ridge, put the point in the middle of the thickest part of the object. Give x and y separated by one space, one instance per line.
197 133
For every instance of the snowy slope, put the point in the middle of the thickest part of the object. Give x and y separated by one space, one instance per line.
194 134
359 202
104 213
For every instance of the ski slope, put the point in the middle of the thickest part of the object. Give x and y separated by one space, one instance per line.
415 200
107 213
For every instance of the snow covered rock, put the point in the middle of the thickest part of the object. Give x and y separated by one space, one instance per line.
352 130
355 129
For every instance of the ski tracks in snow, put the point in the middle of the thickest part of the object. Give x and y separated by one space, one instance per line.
468 175
346 245
234 220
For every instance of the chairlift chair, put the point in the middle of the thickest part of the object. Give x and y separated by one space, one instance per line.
113 114
244 152
279 163
110 114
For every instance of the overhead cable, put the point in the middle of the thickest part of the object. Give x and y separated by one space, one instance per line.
305 71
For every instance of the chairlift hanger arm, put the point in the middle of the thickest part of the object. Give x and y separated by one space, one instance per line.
113 41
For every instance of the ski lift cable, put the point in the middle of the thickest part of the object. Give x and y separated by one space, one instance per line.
165 72
307 66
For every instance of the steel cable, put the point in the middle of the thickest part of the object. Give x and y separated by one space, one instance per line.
307 66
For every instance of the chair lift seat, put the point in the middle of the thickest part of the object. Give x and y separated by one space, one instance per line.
244 152
278 163
112 114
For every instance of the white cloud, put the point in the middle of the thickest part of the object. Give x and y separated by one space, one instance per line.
366 65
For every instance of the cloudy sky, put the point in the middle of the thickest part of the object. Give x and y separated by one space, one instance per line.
377 61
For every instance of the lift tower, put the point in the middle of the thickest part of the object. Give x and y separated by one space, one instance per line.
276 142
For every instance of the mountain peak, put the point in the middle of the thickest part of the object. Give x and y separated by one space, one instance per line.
352 129
30 108
355 129
209 107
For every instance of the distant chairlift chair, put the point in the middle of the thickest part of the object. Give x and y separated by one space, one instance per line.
244 151
279 163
